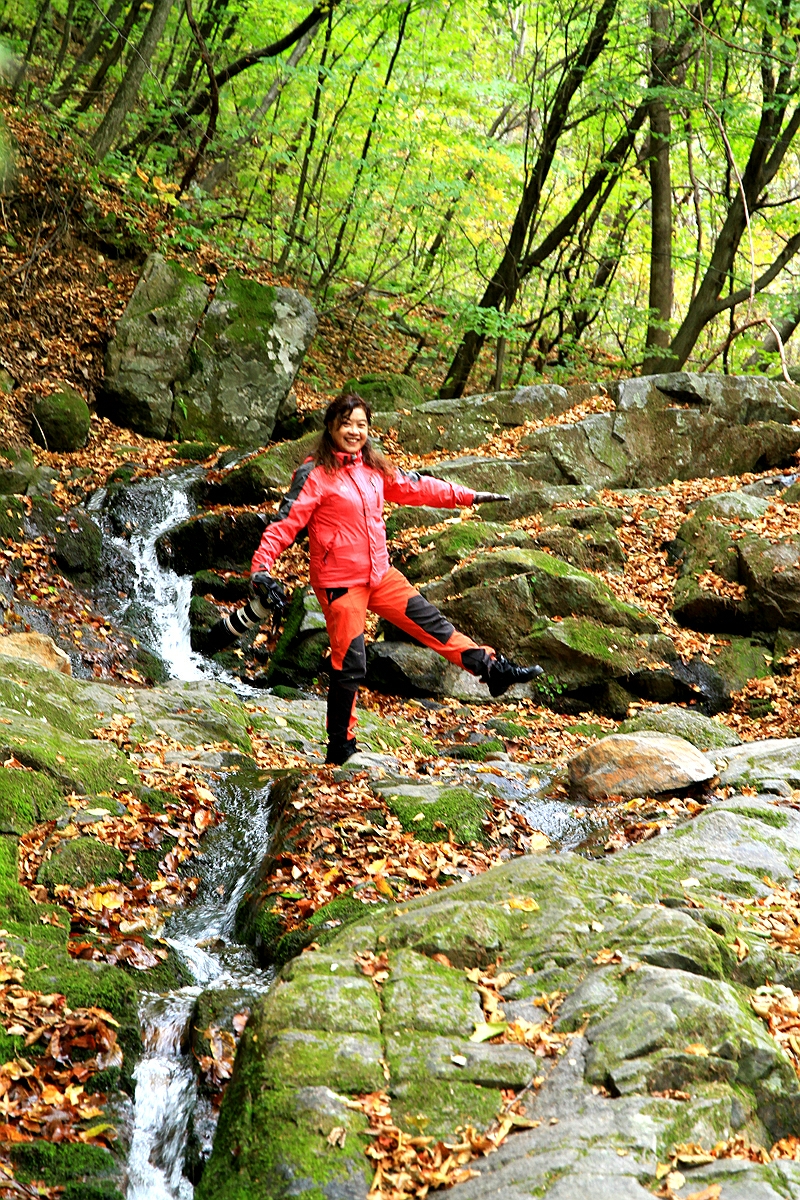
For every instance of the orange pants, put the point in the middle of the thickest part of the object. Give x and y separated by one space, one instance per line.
397 601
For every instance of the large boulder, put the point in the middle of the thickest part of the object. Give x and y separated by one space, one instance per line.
61 420
243 364
470 421
150 347
259 477
637 764
17 469
220 540
182 367
730 577
686 723
79 546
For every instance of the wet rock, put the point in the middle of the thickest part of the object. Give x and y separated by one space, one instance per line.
259 477
641 764
35 647
215 540
152 341
686 723
241 369
61 420
406 669
79 546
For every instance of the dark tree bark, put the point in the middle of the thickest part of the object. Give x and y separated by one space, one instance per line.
44 12
767 153
110 59
504 284
89 51
213 111
125 96
660 295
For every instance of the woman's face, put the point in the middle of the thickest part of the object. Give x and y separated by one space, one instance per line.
351 434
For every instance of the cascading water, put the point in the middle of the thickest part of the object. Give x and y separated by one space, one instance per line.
153 602
156 606
166 1095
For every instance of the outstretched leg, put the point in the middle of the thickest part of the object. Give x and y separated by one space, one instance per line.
397 601
345 610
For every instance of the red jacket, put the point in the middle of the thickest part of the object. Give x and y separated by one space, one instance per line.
343 511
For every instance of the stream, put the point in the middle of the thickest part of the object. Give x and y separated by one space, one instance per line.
174 1124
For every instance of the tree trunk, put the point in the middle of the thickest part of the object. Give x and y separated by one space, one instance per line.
125 96
502 287
34 38
660 297
64 44
87 54
110 59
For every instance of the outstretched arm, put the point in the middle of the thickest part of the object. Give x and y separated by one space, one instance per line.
293 515
408 487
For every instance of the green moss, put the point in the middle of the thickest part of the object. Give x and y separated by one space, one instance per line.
254 313
91 1191
772 816
343 909
385 392
196 451
457 810
508 729
15 902
202 613
473 753
246 1165
27 797
12 512
438 1107
233 588
80 861
59 1163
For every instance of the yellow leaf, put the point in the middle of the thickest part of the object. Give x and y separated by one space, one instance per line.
384 887
523 903
485 1030
377 867
537 842
698 1049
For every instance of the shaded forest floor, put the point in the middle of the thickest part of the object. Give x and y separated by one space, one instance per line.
72 244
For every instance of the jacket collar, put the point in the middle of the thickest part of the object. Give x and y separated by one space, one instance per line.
348 460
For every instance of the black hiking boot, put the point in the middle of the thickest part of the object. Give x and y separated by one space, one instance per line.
339 752
503 674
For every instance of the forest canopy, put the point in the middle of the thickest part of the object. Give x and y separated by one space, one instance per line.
601 184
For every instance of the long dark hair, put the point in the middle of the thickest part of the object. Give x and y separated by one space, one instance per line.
337 412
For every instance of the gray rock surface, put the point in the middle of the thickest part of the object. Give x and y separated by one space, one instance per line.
180 366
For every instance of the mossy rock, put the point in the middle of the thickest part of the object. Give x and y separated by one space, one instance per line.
63 1163
61 420
26 799
432 814
694 727
79 546
231 587
150 666
80 861
12 517
17 469
386 392
473 752
261 476
195 451
82 765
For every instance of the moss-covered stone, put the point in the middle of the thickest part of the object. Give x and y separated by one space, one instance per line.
79 546
386 392
195 451
26 798
61 420
17 469
473 752
80 861
455 811
12 517
63 1162
231 587
260 476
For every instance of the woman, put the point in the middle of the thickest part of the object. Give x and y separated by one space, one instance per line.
338 495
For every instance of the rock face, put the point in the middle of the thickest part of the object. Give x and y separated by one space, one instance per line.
61 420
665 1008
180 366
637 764
731 576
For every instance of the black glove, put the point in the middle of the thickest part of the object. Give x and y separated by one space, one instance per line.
269 591
487 498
